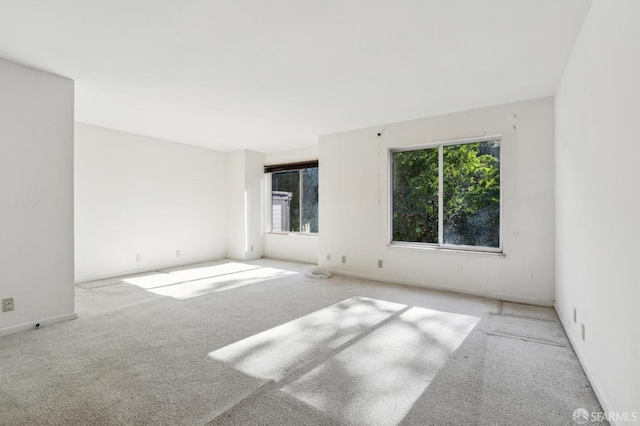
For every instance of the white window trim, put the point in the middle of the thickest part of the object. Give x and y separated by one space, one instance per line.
440 244
449 250
269 209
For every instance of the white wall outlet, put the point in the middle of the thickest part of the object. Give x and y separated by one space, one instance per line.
177 253
379 263
344 259
138 257
7 304
328 257
575 315
251 248
582 331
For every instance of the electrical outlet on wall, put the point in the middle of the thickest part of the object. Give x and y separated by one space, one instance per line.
344 259
138 257
7 304
379 263
178 253
328 257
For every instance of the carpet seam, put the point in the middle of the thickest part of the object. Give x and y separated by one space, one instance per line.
524 318
526 339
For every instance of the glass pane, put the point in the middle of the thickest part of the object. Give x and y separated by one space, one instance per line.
471 185
285 201
309 200
415 196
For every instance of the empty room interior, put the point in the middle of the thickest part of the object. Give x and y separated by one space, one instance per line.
319 213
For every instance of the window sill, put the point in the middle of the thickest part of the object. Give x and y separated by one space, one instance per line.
304 234
423 247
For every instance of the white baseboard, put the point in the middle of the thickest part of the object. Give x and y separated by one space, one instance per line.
606 407
37 324
492 295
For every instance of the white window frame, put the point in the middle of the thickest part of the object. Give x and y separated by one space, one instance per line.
440 244
269 206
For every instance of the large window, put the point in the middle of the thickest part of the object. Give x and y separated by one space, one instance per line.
447 195
294 197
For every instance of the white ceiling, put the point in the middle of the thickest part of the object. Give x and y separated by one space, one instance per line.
273 75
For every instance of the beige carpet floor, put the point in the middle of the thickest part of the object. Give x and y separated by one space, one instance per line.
258 343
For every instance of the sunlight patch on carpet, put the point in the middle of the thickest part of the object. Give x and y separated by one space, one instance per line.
161 279
225 282
187 282
273 353
378 379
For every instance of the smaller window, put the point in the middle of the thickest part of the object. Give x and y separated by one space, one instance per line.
294 197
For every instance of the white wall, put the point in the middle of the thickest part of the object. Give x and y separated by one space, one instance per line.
291 156
235 205
245 211
301 248
354 204
598 201
139 195
36 197
254 196
297 247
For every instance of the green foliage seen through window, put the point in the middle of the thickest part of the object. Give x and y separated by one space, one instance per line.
471 195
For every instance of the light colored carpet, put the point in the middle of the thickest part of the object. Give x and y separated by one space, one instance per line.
257 343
